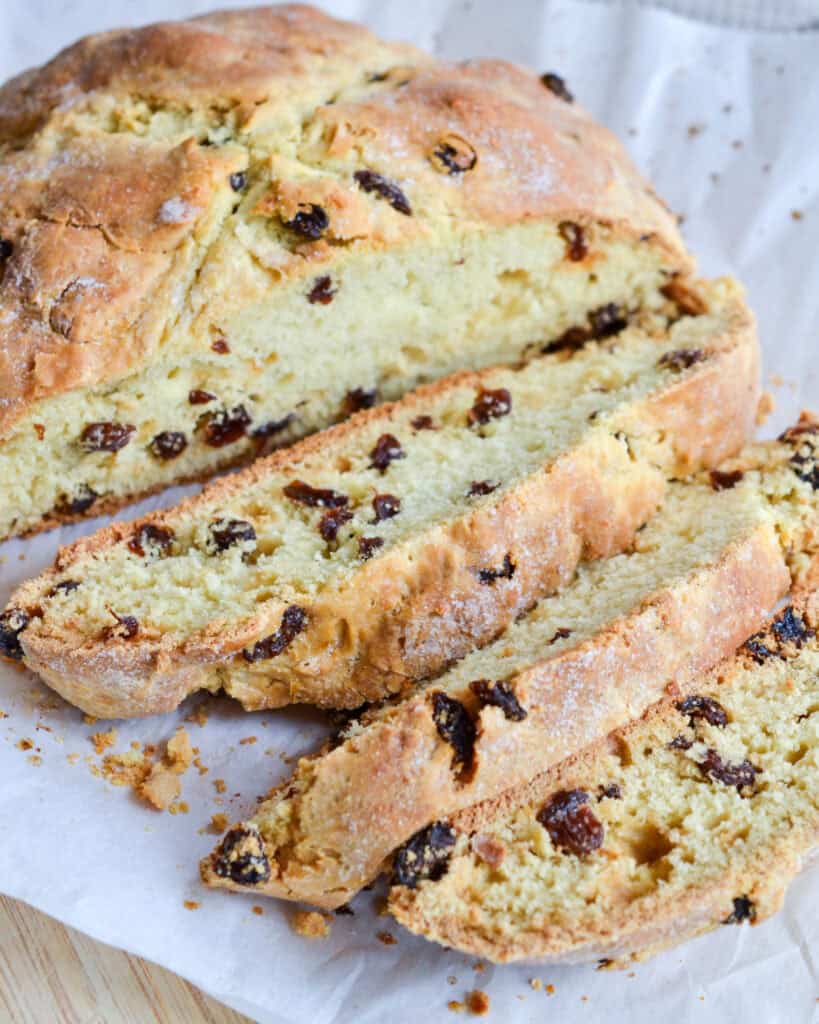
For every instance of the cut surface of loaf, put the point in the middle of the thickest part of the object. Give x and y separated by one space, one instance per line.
702 575
221 234
337 571
697 816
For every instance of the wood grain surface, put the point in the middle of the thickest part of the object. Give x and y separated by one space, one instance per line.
50 974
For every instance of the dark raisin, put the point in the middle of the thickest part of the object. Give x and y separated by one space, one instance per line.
126 627
725 481
610 792
12 623
227 533
314 497
804 460
272 427
454 155
241 857
423 423
607 320
561 634
743 910
385 506
238 181
425 856
345 910
199 397
681 359
575 238
358 399
697 706
322 291
370 181
220 346
310 222
294 621
226 426
788 627
570 822
387 449
168 444
158 538
489 405
332 521
367 547
573 338
499 695
106 437
342 720
480 487
739 775
455 726
555 84
6 249
63 587
82 499
680 743
506 572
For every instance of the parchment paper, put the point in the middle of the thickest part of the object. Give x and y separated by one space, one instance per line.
725 122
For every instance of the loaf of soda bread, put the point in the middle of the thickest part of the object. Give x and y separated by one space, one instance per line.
219 235
701 576
339 570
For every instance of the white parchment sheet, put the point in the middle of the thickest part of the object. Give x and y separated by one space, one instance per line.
727 125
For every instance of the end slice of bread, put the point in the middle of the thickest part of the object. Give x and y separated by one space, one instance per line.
340 570
695 817
701 576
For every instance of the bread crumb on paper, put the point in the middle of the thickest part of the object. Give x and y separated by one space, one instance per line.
310 924
477 1002
103 740
191 905
258 910
24 744
767 404
199 716
536 984
387 938
90 719
219 785
247 741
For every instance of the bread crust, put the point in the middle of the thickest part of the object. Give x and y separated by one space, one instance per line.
362 642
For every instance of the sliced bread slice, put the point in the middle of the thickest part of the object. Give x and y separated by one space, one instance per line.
699 815
702 575
338 571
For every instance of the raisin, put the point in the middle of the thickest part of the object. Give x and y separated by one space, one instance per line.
149 536
342 721
370 181
423 423
294 621
506 572
241 857
698 706
226 533
80 502
345 910
790 628
199 397
12 623
63 587
106 437
126 627
573 338
725 481
358 399
226 426
238 181
387 449
607 320
739 775
680 743
610 792
455 726
571 823
367 547
561 634
499 695
575 238
681 359
322 291
453 155
332 521
480 487
314 497
385 506
425 856
272 427
489 405
744 910
758 650
220 346
556 85
310 222
804 459
168 444
6 249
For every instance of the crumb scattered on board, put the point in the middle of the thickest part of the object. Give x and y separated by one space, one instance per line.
310 924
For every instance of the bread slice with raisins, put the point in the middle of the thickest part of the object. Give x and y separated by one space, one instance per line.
221 234
701 576
337 571
697 816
